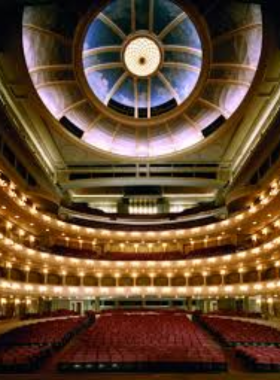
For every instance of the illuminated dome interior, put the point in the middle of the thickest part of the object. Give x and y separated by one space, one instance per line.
161 36
82 73
139 178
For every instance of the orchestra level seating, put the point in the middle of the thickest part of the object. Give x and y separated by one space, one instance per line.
236 332
139 341
25 348
260 358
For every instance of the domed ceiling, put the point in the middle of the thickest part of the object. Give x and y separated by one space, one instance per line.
146 69
142 79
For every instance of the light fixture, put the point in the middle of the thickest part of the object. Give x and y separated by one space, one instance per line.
142 56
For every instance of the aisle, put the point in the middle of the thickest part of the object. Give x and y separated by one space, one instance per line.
50 365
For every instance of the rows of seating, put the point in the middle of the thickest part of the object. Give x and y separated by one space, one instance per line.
25 348
235 332
143 341
50 314
54 332
142 256
81 253
147 310
114 256
22 358
236 313
260 358
219 250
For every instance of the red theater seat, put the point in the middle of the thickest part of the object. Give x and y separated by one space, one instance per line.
235 332
25 348
261 358
144 341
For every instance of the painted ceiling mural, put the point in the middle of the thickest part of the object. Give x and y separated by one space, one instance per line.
143 94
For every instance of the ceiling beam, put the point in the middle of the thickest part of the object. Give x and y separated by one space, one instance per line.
154 181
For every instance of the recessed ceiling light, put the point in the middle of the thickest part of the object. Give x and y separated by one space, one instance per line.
17 217
3 207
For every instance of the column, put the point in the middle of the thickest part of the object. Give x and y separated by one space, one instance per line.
97 304
206 305
169 276
63 278
259 271
9 270
240 271
270 304
45 271
3 304
223 273
82 275
99 276
189 304
205 274
117 277
246 305
8 228
27 271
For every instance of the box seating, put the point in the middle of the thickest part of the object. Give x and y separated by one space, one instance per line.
73 252
211 251
138 341
144 256
86 253
114 256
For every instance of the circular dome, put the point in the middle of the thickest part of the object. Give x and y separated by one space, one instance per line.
142 57
209 59
143 67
